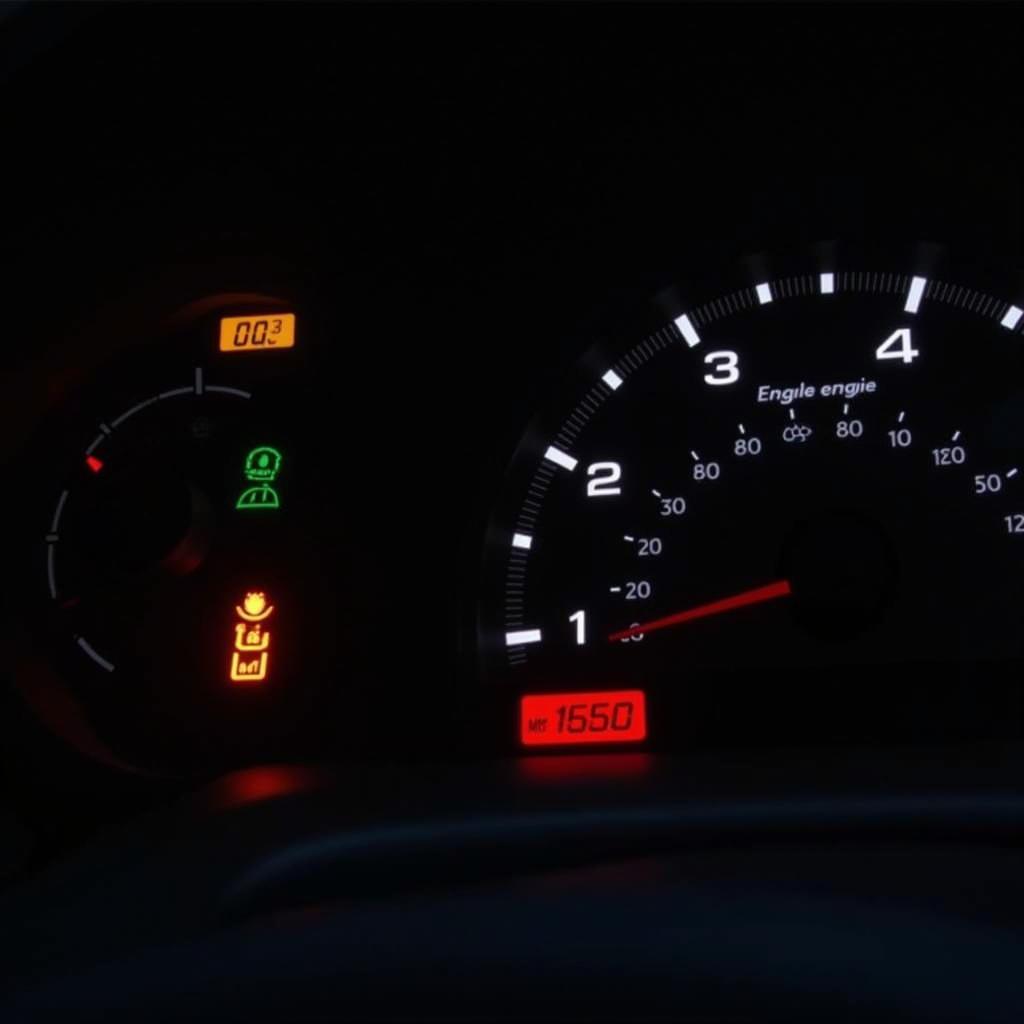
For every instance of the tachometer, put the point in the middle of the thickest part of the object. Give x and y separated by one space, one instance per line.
790 506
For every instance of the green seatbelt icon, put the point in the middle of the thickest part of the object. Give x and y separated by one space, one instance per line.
261 467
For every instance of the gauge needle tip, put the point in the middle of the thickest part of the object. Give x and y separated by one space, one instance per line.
769 592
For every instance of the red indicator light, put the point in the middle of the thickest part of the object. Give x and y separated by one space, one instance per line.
557 719
93 463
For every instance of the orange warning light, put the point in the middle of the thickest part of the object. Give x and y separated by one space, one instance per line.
257 333
250 658
254 608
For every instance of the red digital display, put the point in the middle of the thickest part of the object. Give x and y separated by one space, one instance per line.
556 719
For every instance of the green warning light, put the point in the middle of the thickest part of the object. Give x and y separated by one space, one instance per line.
261 467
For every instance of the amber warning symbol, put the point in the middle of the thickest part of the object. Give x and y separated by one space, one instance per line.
250 658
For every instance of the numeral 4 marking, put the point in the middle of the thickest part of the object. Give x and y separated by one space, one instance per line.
898 346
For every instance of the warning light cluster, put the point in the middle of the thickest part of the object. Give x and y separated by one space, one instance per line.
250 658
558 719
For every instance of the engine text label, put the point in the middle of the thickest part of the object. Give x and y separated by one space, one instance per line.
841 389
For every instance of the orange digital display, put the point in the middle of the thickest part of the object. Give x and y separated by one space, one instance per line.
557 719
250 655
259 333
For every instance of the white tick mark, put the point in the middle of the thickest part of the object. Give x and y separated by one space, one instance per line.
522 636
560 458
687 330
917 285
1012 317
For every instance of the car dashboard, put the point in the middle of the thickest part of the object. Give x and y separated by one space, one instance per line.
265 530
432 465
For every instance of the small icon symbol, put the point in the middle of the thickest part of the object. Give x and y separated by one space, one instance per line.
254 608
251 638
262 464
251 670
263 496
261 468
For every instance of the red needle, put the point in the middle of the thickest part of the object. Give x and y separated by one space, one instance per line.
781 588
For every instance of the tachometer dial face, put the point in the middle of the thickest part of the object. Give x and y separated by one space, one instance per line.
790 509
